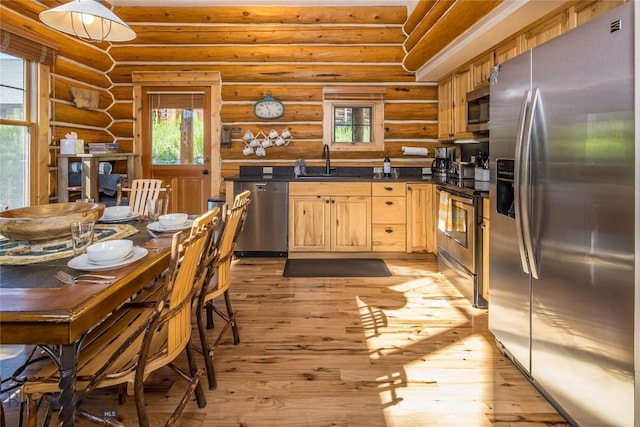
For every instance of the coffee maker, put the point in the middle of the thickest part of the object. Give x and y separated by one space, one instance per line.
444 157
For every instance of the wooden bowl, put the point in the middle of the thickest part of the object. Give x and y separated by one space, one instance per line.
46 222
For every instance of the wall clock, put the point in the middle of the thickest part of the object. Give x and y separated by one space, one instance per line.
268 108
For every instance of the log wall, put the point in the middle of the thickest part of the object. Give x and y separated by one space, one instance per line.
294 52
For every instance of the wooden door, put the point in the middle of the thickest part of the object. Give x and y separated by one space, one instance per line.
351 223
177 128
309 223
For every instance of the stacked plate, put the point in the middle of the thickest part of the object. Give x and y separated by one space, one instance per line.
108 255
115 214
171 223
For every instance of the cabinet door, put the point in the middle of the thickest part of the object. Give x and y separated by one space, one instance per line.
546 31
482 70
351 224
445 109
508 50
308 223
461 85
420 221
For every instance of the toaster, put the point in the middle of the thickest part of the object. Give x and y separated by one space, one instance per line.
462 170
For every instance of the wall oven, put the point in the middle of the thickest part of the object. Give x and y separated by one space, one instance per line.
459 241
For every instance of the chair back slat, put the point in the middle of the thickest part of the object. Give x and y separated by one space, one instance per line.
143 190
173 330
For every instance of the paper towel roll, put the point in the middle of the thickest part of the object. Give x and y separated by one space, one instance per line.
103 167
415 151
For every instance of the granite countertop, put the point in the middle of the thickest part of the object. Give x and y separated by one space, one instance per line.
317 174
347 174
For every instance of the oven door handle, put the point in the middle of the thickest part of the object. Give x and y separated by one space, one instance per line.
460 199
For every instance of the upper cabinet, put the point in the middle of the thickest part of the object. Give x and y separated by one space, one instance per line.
546 31
454 85
509 49
481 70
452 106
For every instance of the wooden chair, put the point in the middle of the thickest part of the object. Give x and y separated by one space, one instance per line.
142 190
217 282
140 337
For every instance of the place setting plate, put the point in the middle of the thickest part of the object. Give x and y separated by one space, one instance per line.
130 217
159 228
82 262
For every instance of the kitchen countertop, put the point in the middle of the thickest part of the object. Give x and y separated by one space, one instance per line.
346 174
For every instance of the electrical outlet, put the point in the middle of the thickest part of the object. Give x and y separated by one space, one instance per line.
267 170
426 171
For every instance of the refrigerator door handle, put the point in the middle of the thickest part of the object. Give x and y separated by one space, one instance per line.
525 194
517 190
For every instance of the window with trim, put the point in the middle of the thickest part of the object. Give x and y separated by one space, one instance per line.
23 64
353 118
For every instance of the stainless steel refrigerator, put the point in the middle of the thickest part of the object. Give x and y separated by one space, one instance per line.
562 222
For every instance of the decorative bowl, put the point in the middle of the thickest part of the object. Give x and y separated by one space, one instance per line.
116 212
46 222
173 220
109 251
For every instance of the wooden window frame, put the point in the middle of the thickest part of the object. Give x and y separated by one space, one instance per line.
372 97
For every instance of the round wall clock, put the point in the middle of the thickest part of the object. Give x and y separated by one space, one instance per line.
268 108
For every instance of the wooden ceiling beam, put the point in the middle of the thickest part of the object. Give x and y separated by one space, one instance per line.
383 15
458 19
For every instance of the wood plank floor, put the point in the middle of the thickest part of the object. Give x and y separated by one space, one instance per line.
401 351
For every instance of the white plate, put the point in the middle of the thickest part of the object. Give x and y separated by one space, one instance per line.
155 226
130 217
108 263
82 262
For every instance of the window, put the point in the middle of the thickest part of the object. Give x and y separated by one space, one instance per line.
177 127
15 131
353 119
24 120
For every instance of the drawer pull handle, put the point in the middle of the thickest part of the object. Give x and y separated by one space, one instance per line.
388 188
388 203
388 230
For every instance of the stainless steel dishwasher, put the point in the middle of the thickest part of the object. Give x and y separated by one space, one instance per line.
265 230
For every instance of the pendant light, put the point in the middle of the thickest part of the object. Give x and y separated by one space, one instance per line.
88 20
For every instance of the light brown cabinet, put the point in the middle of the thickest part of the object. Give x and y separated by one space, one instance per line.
445 109
452 106
481 70
421 223
546 31
332 217
388 217
508 50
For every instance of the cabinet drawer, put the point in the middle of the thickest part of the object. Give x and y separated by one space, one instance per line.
389 210
388 189
389 238
322 188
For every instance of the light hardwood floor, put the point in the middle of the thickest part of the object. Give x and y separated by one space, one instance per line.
406 350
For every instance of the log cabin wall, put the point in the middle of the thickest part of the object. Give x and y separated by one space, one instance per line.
78 65
293 52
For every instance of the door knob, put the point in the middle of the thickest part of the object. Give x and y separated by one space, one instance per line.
205 172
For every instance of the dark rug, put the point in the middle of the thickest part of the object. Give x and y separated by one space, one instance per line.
336 267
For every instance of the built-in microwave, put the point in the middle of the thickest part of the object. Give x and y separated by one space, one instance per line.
478 110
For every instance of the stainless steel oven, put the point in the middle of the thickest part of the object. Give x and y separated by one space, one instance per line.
458 238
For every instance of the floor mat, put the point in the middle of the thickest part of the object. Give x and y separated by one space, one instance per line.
348 267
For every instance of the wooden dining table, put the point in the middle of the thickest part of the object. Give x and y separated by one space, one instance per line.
37 309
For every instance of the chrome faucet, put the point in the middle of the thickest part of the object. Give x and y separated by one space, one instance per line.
326 154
